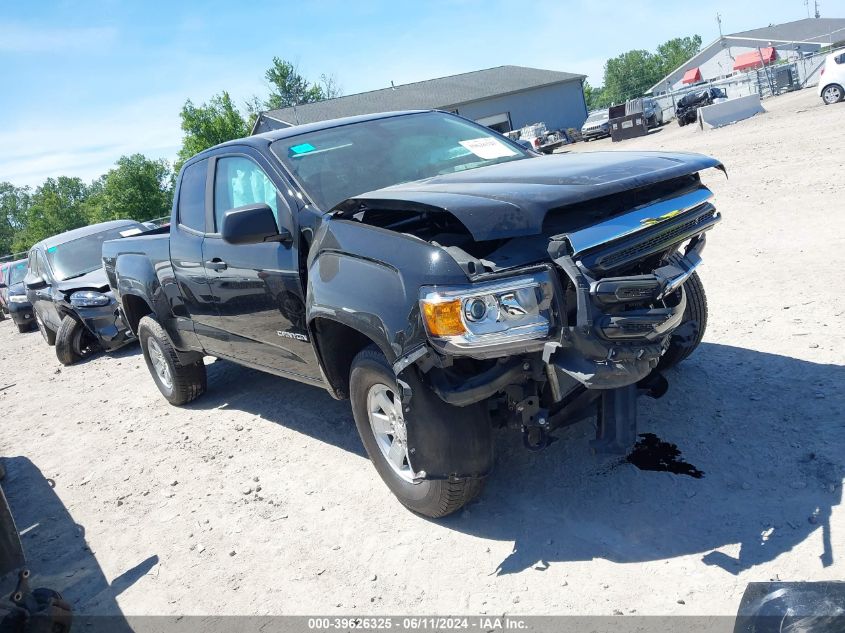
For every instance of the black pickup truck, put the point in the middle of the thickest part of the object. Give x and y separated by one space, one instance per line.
439 275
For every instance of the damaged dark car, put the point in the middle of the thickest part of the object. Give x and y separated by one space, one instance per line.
67 287
440 276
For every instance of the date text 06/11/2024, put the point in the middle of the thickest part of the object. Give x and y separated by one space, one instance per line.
417 623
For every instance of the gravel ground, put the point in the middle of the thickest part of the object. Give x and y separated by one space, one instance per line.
257 499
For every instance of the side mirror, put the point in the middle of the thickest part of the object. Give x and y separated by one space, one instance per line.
34 282
252 224
2 285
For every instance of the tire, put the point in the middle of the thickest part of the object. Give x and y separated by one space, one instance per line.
687 337
179 383
73 341
48 334
23 329
432 498
832 94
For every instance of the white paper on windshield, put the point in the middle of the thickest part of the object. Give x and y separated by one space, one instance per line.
130 232
487 148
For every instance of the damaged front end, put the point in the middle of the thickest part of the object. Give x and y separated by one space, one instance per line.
580 335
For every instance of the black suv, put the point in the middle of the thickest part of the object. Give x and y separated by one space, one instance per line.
69 291
13 294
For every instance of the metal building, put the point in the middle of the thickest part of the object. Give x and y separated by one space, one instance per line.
504 98
745 50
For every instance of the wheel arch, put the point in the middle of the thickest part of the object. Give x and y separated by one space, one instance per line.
336 344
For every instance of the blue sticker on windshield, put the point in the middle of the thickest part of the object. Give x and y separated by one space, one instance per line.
52 249
302 148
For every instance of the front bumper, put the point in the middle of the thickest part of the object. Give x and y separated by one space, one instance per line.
106 324
21 313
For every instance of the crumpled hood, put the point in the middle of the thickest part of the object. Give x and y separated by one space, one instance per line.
95 280
512 199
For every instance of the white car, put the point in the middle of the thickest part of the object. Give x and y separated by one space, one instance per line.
832 80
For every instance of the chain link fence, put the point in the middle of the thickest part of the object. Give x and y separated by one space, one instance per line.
768 81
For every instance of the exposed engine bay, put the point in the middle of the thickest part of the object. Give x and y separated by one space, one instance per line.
618 265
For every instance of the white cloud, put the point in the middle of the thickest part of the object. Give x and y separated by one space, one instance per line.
87 146
21 38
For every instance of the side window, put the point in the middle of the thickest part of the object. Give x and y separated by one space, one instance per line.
840 59
240 181
192 196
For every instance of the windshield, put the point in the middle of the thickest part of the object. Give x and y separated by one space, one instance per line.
339 163
16 273
596 116
84 254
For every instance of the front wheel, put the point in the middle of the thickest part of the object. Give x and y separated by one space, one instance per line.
832 94
179 383
73 341
381 425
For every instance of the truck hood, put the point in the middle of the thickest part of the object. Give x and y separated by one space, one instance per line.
95 280
511 199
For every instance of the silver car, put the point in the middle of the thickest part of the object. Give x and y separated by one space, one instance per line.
597 125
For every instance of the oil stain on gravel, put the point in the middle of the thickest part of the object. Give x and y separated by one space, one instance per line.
652 453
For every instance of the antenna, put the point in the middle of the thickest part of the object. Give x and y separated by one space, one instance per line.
719 22
818 14
807 6
392 86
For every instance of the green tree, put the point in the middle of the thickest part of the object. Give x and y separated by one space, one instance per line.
288 87
138 188
14 202
631 74
676 52
56 206
208 124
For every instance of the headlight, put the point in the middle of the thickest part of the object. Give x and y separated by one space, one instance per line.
88 299
481 315
18 299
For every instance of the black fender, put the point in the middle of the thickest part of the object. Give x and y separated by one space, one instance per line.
369 278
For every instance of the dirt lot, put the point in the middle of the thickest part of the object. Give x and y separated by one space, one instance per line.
258 498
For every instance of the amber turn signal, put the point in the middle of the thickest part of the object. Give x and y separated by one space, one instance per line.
443 318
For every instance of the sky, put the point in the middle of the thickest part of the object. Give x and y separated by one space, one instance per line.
84 82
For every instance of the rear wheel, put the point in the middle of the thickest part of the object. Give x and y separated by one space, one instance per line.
48 334
74 341
832 94
688 336
380 421
178 382
23 329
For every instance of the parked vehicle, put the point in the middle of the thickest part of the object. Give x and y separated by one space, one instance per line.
69 291
538 138
597 125
686 108
653 112
13 293
434 272
3 300
832 80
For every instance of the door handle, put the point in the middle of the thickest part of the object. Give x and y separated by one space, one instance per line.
216 264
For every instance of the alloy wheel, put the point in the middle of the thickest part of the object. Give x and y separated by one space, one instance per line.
384 410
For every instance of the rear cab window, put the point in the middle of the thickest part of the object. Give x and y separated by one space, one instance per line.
191 209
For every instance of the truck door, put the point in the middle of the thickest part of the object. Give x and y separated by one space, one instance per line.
186 238
257 287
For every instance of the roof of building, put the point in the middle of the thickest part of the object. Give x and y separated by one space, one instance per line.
808 34
440 93
820 30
